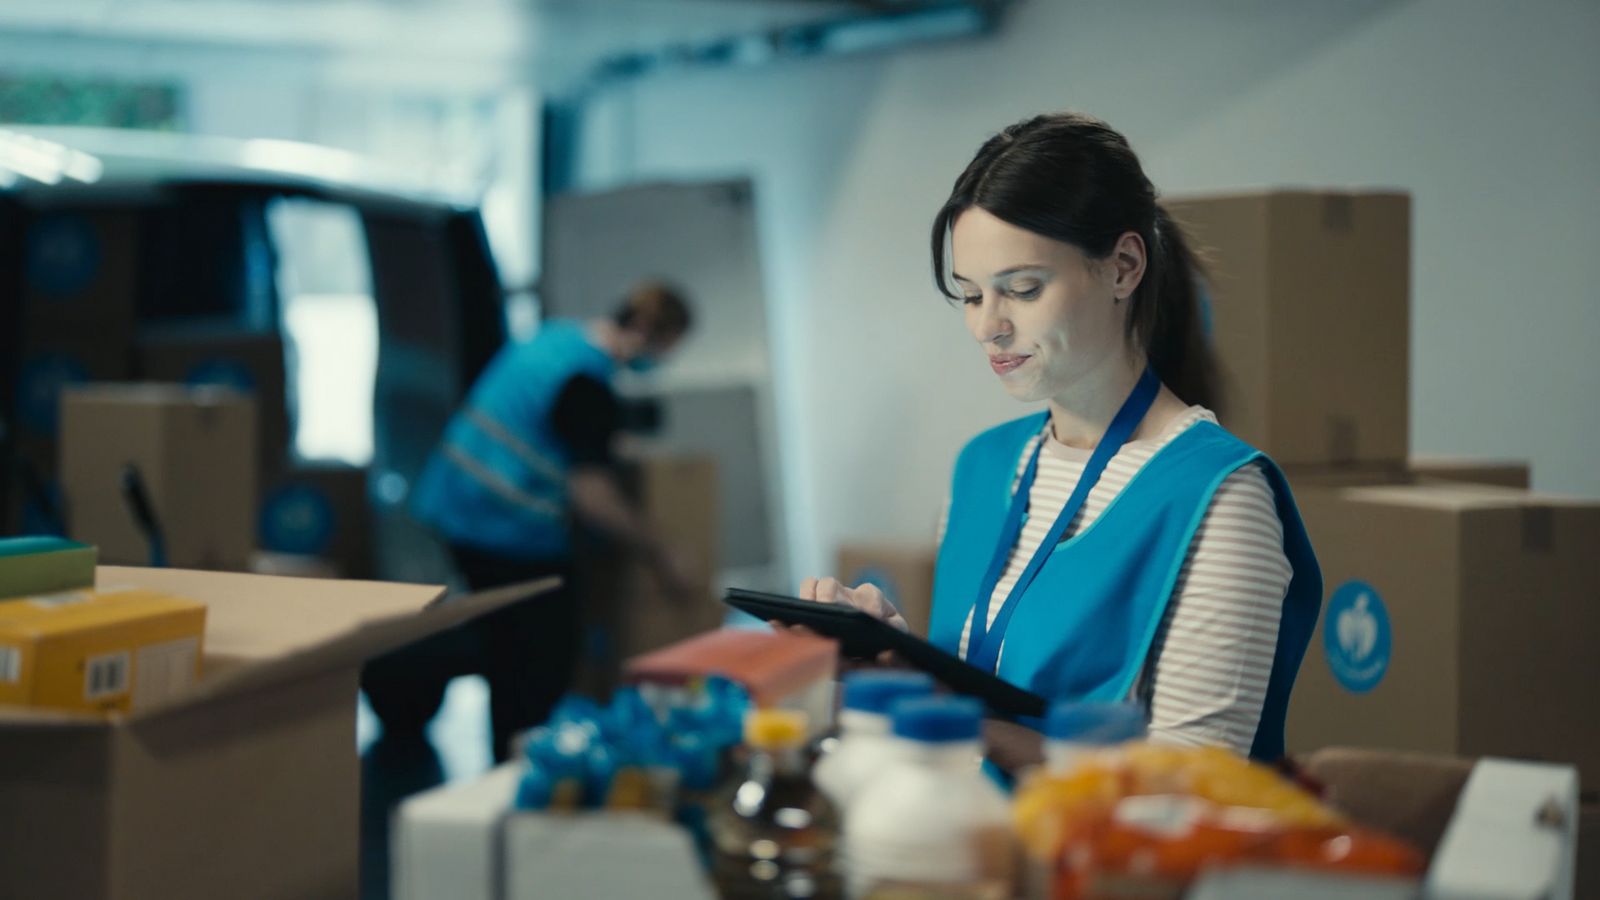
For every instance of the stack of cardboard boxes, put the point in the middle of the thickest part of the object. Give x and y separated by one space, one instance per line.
78 323
307 518
1458 607
77 310
209 432
626 610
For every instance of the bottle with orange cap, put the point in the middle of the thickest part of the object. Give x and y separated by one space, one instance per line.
772 829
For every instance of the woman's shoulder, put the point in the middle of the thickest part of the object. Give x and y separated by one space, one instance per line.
1010 434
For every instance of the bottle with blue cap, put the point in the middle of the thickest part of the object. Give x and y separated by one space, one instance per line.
865 746
932 821
1072 730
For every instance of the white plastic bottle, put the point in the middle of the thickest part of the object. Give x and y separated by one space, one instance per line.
1072 730
865 746
932 820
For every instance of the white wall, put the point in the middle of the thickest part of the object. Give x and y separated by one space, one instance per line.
1488 112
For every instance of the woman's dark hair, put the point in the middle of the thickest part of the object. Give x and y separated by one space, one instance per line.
1072 178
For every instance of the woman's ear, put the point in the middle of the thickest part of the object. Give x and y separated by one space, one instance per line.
1128 262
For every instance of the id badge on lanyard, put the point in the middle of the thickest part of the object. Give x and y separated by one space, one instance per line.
985 640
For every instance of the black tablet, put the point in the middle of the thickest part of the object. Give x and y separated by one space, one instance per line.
861 636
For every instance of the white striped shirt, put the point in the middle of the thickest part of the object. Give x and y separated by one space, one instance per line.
1205 680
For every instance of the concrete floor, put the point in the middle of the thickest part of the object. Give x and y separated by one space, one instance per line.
456 748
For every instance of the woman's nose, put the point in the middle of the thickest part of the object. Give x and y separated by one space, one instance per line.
988 325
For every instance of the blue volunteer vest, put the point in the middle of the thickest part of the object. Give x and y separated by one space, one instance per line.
497 481
1084 627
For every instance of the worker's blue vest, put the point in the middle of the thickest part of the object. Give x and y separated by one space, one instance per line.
1083 629
498 481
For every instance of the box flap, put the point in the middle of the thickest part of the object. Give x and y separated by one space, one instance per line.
326 624
1457 497
263 629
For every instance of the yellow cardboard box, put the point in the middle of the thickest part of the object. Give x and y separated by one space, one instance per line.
99 651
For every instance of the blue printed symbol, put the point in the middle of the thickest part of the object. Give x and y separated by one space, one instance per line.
39 387
297 519
224 373
1357 637
63 255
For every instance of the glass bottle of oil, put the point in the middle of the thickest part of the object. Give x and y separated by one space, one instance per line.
773 830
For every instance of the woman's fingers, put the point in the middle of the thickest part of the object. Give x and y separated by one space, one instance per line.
830 591
866 597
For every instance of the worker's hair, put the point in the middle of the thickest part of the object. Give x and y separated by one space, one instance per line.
655 309
1072 178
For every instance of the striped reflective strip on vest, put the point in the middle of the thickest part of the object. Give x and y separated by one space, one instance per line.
500 486
530 457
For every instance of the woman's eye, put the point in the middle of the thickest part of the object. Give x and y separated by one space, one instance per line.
1025 291
972 299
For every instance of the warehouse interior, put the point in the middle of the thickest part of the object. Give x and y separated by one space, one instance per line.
309 581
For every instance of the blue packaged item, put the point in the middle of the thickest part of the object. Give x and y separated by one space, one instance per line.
601 763
535 789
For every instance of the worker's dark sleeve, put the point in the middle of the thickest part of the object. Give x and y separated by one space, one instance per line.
586 417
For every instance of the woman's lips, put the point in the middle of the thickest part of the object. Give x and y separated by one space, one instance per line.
1005 365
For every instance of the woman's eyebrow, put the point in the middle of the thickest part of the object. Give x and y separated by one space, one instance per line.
1005 273
1015 269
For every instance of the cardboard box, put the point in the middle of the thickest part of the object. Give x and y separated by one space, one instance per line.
320 511
1513 834
251 362
245 785
195 450
904 572
626 611
1416 797
1457 619
81 266
1311 320
1417 470
44 565
52 362
99 651
1505 473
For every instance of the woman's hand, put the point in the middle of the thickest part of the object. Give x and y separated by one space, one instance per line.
866 597
1012 747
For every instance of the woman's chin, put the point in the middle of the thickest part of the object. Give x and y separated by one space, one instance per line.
1022 392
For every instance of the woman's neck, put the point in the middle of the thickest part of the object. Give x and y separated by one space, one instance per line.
1080 416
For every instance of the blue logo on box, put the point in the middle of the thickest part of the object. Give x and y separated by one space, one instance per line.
297 519
1356 636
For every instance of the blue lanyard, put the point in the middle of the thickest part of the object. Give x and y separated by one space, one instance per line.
984 642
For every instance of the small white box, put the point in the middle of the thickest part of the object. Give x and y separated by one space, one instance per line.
466 842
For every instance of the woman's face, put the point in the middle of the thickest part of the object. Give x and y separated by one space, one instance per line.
1042 311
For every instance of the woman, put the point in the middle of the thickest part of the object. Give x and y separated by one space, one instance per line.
1120 545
